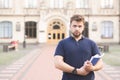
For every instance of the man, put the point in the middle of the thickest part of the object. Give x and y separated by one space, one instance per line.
72 54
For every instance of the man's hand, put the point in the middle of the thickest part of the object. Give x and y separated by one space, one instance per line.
82 71
88 66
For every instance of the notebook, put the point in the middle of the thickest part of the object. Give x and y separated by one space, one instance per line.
94 59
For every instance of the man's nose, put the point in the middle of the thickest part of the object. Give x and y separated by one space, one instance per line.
77 28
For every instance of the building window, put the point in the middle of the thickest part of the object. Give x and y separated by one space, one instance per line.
58 36
106 3
30 29
30 3
82 3
49 35
54 36
5 3
107 29
56 3
56 27
63 35
6 29
86 29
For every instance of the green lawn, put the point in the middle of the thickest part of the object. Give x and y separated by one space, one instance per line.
7 58
113 56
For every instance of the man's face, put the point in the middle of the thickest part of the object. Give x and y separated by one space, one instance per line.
76 28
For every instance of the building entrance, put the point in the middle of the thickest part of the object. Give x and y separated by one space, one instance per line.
86 30
56 31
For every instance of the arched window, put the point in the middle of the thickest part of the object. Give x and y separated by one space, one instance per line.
56 27
107 29
30 29
6 29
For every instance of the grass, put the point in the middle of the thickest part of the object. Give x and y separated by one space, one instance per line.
113 56
7 58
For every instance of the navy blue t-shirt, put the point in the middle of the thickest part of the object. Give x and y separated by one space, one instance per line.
75 53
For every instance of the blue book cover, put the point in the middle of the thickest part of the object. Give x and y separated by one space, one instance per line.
94 59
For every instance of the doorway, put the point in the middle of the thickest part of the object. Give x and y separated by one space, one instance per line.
86 30
56 31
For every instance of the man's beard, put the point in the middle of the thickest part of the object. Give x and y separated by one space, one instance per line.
76 35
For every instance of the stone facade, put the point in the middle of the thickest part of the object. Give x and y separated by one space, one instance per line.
52 22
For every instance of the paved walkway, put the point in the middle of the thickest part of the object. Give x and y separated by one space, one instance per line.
39 64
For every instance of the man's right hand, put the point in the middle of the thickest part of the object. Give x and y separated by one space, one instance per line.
82 71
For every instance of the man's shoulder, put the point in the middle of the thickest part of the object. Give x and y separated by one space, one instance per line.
65 40
89 40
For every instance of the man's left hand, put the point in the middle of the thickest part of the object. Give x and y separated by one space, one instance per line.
88 66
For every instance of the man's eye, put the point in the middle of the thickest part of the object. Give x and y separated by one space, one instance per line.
79 26
74 26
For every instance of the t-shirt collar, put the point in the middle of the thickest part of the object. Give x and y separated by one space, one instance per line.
79 39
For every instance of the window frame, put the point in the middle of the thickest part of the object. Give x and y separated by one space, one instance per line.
31 4
31 29
6 30
107 4
107 29
56 4
82 4
6 3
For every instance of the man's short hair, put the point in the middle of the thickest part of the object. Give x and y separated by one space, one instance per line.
77 18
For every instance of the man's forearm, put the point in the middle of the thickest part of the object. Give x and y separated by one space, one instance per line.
64 67
98 66
60 64
67 68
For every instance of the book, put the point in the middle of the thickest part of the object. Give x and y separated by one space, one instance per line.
94 59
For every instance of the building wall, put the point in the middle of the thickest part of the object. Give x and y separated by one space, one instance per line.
96 35
43 14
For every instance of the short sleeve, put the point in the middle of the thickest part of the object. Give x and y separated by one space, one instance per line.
59 49
95 49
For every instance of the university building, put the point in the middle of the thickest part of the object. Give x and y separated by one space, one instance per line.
47 21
